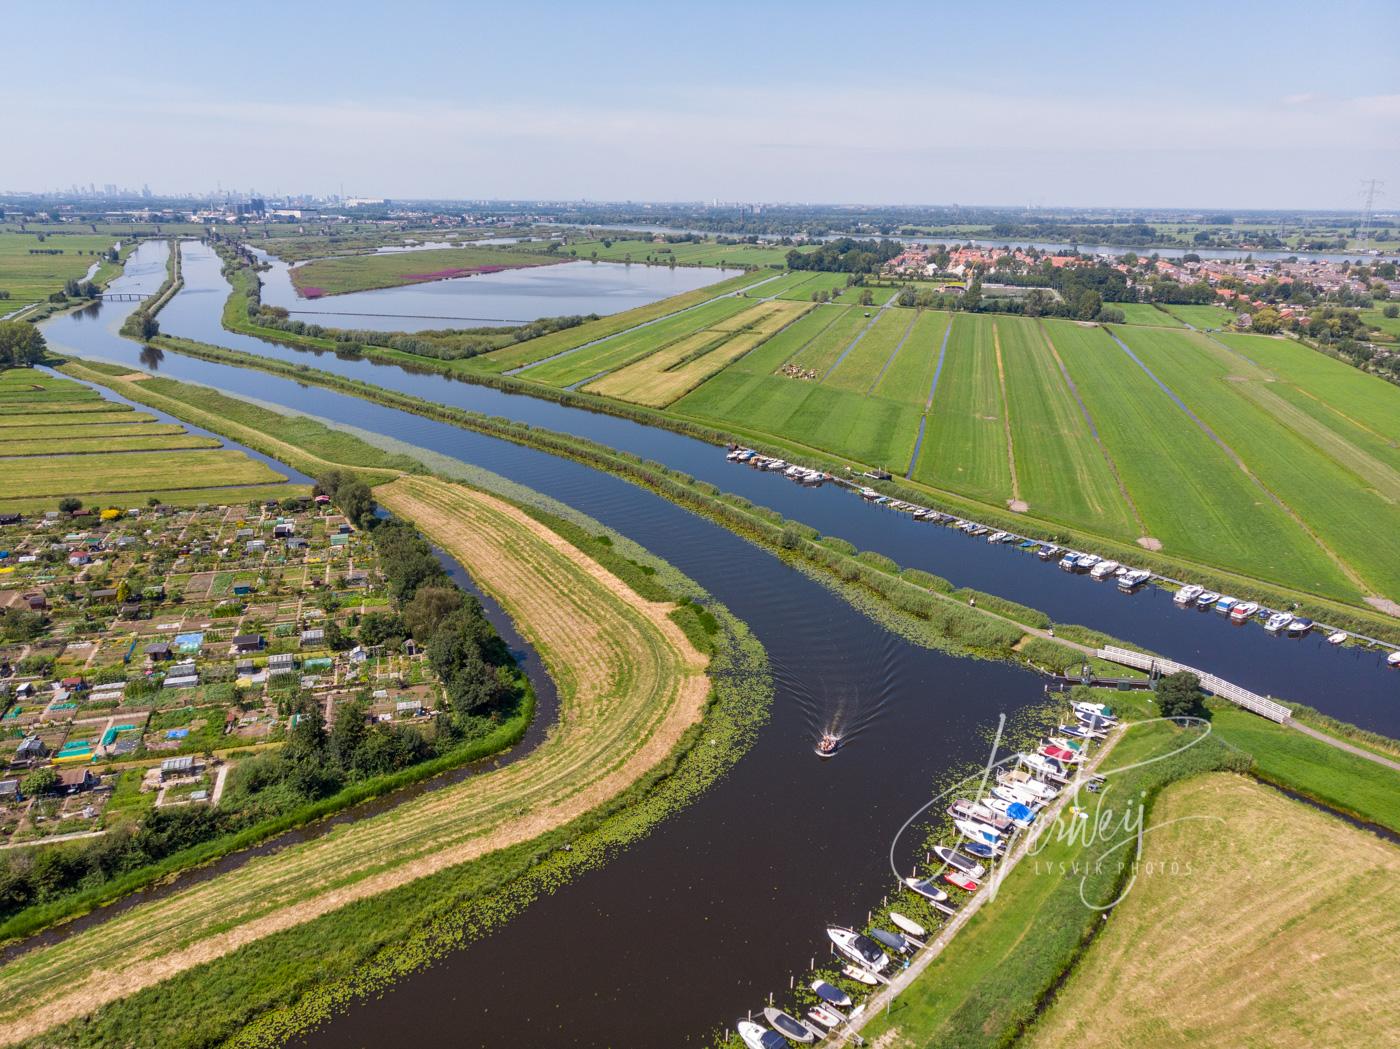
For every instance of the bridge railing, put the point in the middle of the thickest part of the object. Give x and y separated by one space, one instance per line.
1216 686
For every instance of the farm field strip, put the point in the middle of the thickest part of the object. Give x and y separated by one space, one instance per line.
878 296
92 445
1192 496
628 346
766 359
533 351
630 685
824 350
861 367
59 430
121 472
1202 316
1063 470
964 445
1289 886
1364 400
1342 494
662 377
32 277
910 374
816 281
1145 313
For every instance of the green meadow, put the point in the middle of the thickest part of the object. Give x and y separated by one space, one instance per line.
30 277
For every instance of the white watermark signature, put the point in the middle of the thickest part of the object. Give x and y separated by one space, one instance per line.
1087 812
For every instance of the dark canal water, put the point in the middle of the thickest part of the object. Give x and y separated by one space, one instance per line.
698 922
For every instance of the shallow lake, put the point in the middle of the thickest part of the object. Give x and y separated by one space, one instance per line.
491 299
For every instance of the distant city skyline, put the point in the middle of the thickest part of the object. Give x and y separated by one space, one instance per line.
1215 108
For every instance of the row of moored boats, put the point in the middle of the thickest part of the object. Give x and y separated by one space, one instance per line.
1127 578
985 829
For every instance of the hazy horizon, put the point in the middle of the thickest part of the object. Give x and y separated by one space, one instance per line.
785 103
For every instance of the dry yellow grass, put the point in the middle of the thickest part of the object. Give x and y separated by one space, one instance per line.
1271 924
667 375
630 683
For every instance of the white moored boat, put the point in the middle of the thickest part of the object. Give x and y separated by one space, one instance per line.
1103 569
862 950
1278 621
756 1036
1243 611
1187 594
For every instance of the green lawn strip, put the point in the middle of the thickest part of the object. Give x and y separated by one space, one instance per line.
863 364
229 496
878 296
1336 495
965 440
1059 464
116 474
1192 495
631 345
538 349
63 411
1312 768
910 374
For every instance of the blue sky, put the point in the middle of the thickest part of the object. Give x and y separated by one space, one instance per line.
1278 104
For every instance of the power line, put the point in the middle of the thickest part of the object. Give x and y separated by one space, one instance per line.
1370 189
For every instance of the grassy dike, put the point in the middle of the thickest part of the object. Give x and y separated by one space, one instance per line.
1347 616
133 325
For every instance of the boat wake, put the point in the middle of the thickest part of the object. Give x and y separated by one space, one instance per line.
841 701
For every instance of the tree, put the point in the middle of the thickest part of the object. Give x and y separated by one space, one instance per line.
40 781
1179 696
1391 311
21 344
428 608
68 504
1267 321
